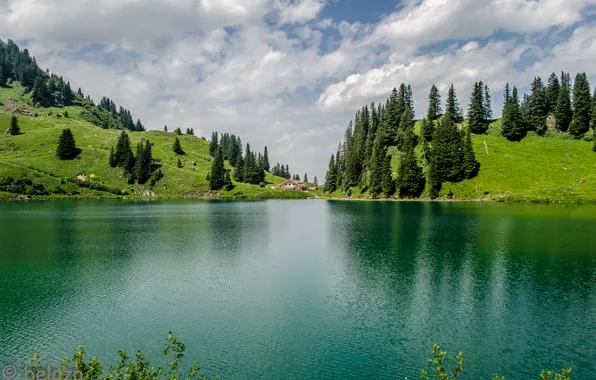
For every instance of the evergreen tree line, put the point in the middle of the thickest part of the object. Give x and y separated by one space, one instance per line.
249 167
281 171
121 115
139 168
444 150
50 90
558 104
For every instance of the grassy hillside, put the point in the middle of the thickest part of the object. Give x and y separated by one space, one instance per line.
32 155
551 168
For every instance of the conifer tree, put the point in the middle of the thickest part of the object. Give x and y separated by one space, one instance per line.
552 93
434 180
165 128
287 171
143 162
315 181
387 182
228 184
582 106
213 144
410 183
593 122
452 107
512 126
177 148
448 150
124 156
14 126
179 164
330 177
67 148
406 128
427 129
434 104
266 165
537 106
305 178
563 112
488 111
478 122
217 179
113 161
469 164
377 165
238 173
178 131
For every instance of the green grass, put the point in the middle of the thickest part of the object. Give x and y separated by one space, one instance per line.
32 155
551 168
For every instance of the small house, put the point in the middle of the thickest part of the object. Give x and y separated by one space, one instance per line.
290 184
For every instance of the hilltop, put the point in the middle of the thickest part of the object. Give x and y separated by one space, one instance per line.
32 155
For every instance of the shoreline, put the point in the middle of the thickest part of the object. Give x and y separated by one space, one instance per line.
21 198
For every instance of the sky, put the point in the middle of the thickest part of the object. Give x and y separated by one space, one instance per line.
290 74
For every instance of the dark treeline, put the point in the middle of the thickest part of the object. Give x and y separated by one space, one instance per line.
248 166
555 105
139 168
50 90
443 152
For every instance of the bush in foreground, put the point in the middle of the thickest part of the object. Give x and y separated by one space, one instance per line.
140 367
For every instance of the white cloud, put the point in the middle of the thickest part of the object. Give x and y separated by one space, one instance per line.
299 11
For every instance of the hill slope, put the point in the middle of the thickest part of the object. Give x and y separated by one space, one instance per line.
551 168
32 155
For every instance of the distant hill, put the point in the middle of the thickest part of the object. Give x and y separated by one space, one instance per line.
45 105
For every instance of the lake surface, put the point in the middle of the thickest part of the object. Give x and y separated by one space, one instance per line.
303 289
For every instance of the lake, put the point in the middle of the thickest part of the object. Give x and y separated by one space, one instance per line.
303 289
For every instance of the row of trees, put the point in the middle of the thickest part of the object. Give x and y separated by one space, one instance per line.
50 90
139 168
571 109
445 151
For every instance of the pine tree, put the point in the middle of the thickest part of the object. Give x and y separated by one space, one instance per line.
594 113
552 93
478 122
165 128
213 144
266 165
563 112
177 148
488 111
179 164
410 183
387 182
144 162
113 161
330 177
582 106
537 106
448 150
434 104
217 179
427 129
469 164
305 178
406 128
178 131
315 181
434 180
67 148
228 184
512 126
14 126
452 107
124 156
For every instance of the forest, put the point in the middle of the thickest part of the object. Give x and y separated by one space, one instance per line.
442 150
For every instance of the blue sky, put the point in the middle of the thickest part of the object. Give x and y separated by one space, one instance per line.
290 74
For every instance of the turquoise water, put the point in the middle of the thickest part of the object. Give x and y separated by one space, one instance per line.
303 289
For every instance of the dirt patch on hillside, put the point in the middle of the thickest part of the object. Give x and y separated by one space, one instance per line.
10 106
